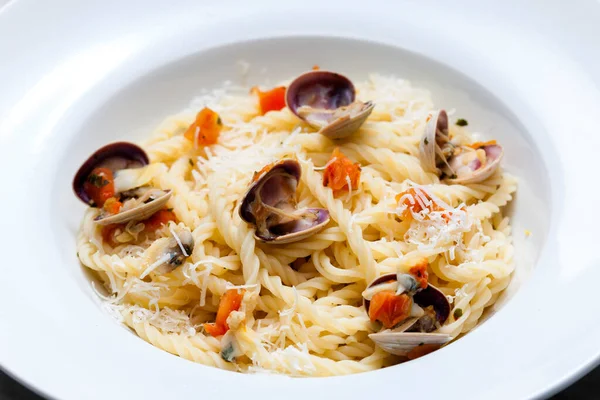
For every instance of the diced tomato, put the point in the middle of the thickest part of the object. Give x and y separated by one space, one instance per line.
339 170
206 128
230 301
108 233
158 219
417 207
215 330
478 145
389 309
422 350
419 271
100 185
112 205
271 100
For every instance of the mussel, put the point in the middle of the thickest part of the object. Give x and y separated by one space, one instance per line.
429 309
326 101
138 203
270 206
452 161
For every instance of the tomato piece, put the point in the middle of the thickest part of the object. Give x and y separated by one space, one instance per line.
108 233
419 271
316 67
112 205
215 330
422 350
389 309
230 301
339 171
158 219
205 129
417 207
100 185
271 100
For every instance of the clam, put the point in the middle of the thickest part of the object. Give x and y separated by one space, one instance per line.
454 162
430 309
114 156
470 165
170 253
139 203
270 206
326 101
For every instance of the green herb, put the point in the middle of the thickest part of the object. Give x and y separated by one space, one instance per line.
191 162
421 344
227 353
169 209
462 122
426 141
453 176
219 121
458 313
77 254
97 180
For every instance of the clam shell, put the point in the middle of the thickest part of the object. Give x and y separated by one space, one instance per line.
295 236
115 156
283 192
430 296
290 166
346 125
495 153
332 97
428 144
141 212
401 343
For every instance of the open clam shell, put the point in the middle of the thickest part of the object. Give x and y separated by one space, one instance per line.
433 143
148 204
430 296
475 172
326 101
313 221
455 163
400 342
114 156
270 206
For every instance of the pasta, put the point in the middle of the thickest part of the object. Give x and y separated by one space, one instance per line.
301 310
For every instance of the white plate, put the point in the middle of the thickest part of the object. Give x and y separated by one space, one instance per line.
75 75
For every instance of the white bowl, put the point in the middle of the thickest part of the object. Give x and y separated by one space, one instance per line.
76 76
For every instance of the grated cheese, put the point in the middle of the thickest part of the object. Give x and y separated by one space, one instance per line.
178 240
160 261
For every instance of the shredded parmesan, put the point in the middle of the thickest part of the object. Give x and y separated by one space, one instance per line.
178 241
324 167
160 261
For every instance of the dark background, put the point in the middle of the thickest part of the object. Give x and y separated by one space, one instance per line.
587 388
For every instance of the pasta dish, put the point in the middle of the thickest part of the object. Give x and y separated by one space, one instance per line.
321 227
